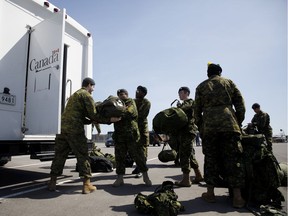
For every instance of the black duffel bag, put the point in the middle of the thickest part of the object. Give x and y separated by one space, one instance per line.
100 164
111 107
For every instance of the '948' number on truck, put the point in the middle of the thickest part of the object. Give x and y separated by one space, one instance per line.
7 99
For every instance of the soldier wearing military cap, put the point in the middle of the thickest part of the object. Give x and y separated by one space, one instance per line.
80 110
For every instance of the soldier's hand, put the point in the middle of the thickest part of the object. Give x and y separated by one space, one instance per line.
115 119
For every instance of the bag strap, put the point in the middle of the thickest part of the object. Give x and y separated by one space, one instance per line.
166 146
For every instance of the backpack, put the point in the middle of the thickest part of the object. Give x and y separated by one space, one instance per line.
110 107
100 164
169 121
97 152
262 172
163 202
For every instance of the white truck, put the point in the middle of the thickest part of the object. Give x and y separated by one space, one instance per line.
44 56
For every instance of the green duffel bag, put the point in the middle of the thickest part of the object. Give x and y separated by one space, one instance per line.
110 107
167 154
169 121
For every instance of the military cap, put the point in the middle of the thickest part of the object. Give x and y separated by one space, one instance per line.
142 89
88 81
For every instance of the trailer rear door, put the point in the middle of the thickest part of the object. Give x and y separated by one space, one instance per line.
44 80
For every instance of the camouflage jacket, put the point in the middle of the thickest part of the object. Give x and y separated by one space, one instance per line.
80 110
127 127
188 107
143 108
262 121
219 106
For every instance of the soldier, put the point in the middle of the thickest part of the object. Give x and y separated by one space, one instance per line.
143 107
80 110
185 140
126 136
262 121
220 129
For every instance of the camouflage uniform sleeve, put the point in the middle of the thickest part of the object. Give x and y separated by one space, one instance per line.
145 108
198 110
238 102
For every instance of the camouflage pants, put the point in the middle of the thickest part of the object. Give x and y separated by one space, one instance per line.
136 152
65 143
187 152
144 142
223 157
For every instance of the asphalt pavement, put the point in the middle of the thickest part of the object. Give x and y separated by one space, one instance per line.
23 190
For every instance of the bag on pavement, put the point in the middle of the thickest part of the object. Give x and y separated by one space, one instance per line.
97 152
100 164
163 202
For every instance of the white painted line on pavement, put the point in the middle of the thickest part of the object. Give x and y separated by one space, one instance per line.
42 187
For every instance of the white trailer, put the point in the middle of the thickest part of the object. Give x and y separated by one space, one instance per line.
44 56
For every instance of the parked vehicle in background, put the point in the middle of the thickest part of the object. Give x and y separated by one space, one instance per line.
109 140
280 139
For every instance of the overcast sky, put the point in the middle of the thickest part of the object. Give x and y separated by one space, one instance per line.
166 44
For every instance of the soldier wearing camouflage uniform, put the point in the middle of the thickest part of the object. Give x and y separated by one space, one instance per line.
220 129
80 110
143 107
126 136
262 121
185 140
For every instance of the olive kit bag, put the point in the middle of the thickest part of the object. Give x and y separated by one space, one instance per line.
169 121
163 202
